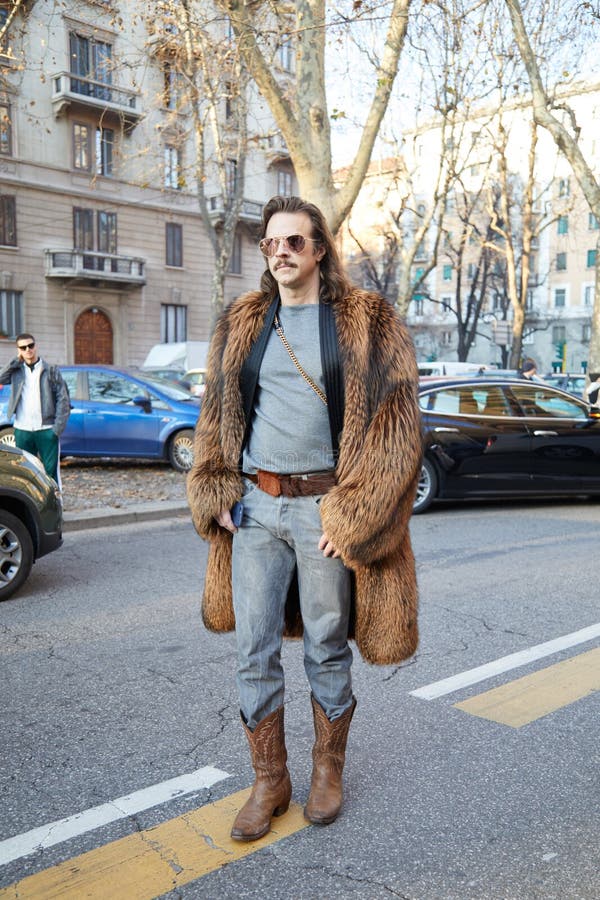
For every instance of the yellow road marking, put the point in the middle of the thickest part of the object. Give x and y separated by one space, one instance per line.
529 698
150 863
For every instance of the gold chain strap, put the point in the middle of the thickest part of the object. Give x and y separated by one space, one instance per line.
304 374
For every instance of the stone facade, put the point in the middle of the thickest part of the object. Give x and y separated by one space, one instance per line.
101 235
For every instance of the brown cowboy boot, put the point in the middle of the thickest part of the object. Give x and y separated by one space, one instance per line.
272 789
329 752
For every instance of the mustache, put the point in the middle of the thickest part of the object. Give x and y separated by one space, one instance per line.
290 265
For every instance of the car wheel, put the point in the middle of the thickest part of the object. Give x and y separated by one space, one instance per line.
181 450
426 489
7 436
16 554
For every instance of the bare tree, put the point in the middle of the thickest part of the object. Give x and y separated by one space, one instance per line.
558 118
210 80
298 100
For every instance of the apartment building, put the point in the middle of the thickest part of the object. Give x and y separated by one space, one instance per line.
103 252
448 265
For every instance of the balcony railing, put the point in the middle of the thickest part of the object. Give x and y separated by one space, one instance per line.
76 91
251 210
91 266
277 148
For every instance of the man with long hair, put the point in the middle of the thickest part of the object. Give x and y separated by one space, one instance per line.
310 420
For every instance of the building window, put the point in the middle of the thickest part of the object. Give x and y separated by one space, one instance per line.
173 323
105 140
171 86
419 304
447 304
284 183
92 61
172 168
8 221
588 295
593 222
560 297
446 338
231 174
564 187
235 261
11 313
81 147
559 333
591 259
4 42
107 232
103 149
231 101
586 332
561 262
471 271
447 273
5 130
83 228
562 225
174 242
286 55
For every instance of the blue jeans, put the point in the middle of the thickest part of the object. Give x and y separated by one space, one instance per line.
277 535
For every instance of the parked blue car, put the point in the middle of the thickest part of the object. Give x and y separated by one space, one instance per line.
116 412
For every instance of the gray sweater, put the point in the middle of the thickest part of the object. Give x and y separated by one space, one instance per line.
290 427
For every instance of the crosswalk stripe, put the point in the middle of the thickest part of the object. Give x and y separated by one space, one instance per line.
505 663
150 863
529 698
64 829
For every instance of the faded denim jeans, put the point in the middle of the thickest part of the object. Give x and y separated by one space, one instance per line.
278 534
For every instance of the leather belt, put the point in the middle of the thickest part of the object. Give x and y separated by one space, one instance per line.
307 485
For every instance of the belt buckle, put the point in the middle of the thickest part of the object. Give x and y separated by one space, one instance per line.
269 483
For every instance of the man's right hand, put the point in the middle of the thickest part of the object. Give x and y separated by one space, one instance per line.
225 521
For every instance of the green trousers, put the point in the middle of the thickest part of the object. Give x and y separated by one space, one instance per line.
42 443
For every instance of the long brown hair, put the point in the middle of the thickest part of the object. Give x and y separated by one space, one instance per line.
335 285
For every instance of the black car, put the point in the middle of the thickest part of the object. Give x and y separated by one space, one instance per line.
489 437
30 517
572 384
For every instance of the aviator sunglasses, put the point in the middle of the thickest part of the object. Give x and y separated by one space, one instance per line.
26 346
294 242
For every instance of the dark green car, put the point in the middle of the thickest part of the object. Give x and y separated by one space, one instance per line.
30 517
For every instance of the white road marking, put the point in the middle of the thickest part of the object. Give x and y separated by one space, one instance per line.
63 829
505 663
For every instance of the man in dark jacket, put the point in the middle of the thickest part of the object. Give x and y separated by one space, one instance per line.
39 402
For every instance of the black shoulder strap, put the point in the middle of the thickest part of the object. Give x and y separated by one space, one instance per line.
251 367
332 373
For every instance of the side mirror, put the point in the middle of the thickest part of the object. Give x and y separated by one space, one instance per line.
144 402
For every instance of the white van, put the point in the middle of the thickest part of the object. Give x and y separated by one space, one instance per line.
450 367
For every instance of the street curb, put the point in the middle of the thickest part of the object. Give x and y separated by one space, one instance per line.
83 519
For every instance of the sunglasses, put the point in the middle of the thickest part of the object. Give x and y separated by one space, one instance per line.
294 242
26 346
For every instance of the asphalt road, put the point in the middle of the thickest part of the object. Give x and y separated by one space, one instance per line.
111 685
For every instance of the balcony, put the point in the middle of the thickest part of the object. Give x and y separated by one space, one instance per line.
276 150
250 212
79 93
85 267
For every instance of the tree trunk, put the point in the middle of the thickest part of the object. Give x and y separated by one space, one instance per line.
300 110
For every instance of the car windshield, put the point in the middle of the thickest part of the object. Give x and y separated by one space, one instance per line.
168 388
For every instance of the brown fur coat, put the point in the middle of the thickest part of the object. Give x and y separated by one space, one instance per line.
366 515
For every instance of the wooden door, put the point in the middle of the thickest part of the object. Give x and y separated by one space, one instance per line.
93 338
